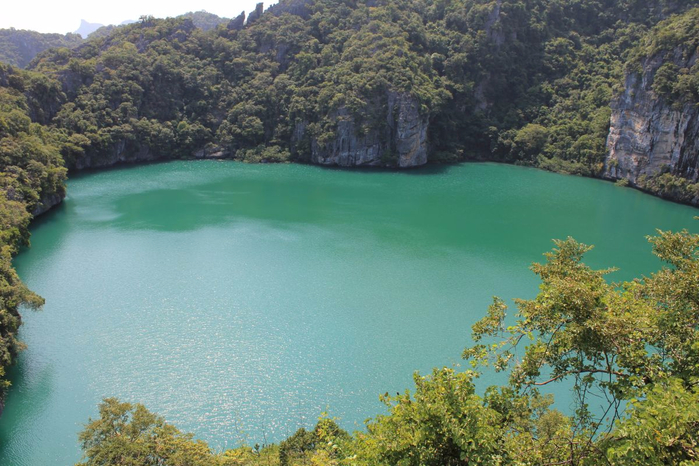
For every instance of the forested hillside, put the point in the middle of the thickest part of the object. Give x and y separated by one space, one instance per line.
604 88
18 47
32 179
654 136
351 83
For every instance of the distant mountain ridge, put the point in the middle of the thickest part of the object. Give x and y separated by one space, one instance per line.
87 28
18 47
201 19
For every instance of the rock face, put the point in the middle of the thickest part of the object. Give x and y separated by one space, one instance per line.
237 23
649 135
293 7
256 14
119 152
401 142
46 203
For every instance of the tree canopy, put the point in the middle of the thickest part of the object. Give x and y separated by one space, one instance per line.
526 82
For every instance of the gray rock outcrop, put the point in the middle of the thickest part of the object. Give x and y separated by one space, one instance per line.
256 14
648 134
400 142
237 23
46 203
119 152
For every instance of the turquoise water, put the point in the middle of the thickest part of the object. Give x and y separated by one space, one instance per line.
241 301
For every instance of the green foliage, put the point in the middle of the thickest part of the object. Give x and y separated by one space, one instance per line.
670 187
444 423
322 445
674 39
619 341
19 47
264 154
127 434
661 429
522 82
31 178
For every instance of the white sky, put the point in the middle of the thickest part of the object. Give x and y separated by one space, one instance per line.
65 16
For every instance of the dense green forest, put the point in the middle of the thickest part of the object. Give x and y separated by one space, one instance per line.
18 47
514 81
518 81
32 175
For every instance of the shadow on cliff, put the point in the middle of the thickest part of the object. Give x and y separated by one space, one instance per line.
28 396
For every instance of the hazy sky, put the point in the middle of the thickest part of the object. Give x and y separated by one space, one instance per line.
65 16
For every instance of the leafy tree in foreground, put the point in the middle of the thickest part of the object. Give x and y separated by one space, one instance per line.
127 434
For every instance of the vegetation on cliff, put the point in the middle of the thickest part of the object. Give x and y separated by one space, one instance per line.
521 82
634 344
677 35
653 141
31 176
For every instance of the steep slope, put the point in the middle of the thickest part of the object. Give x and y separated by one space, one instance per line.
345 82
654 138
31 181
19 47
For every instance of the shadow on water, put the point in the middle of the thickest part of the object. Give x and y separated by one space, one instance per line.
36 387
424 170
395 207
48 217
119 166
219 203
396 211
55 223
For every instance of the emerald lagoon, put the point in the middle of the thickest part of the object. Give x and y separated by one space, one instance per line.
241 301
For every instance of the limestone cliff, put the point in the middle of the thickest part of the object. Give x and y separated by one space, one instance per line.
47 202
650 135
122 151
400 142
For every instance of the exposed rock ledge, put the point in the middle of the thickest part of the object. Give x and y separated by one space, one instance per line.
46 203
120 152
649 135
401 142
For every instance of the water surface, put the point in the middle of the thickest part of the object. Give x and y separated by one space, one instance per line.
241 301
